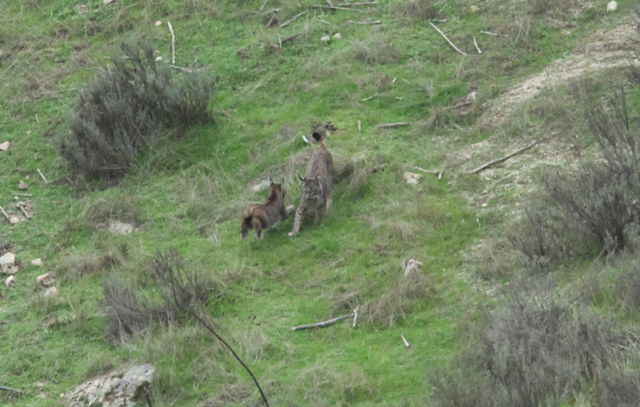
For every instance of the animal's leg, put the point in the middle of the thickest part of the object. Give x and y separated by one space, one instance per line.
320 212
258 227
330 201
245 227
298 221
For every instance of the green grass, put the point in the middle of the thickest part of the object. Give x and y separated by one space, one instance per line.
188 194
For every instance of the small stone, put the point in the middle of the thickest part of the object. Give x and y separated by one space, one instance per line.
4 146
37 262
158 59
14 220
8 258
411 265
474 9
261 186
22 185
337 36
10 282
8 263
411 178
158 23
38 384
612 6
45 280
120 228
325 38
51 292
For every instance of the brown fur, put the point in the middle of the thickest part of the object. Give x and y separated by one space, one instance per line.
266 216
317 184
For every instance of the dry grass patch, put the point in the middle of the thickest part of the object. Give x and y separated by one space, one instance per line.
374 51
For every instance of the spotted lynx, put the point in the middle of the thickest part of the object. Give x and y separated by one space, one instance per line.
266 216
317 185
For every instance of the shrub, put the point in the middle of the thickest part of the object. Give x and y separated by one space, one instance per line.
126 109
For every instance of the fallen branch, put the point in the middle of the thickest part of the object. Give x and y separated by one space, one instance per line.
263 4
365 22
404 340
322 324
24 212
505 158
489 33
330 3
38 120
461 128
393 125
434 172
476 44
273 17
461 105
29 195
281 40
11 390
355 317
445 37
441 172
5 213
292 20
359 126
365 99
362 3
180 68
173 43
42 175
337 8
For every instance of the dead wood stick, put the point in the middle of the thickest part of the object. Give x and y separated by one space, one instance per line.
271 20
26 215
393 125
181 68
321 324
435 172
441 172
29 195
404 340
330 3
263 4
460 128
42 175
38 120
173 43
505 158
476 44
4 213
362 3
365 99
11 390
460 105
287 38
355 317
359 126
292 20
365 22
445 37
337 8
489 33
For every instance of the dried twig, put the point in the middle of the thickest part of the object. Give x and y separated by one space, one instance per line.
292 20
173 43
405 341
29 195
362 3
505 158
461 128
38 120
24 212
445 37
42 175
365 22
181 68
365 99
355 317
489 33
359 126
476 44
393 125
322 324
337 8
330 4
434 172
287 38
441 172
5 213
263 4
11 390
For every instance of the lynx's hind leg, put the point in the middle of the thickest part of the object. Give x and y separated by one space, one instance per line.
257 225
320 212
298 221
329 201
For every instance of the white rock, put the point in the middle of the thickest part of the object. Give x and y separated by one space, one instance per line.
105 2
8 258
337 36
158 59
612 6
22 185
45 280
8 264
37 262
411 178
10 282
158 23
120 228
4 146
411 265
51 292
14 220
325 38
261 186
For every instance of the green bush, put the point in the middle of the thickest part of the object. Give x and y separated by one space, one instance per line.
128 108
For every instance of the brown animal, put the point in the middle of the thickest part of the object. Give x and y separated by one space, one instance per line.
317 184
266 216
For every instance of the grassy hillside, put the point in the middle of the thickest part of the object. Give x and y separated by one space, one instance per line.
188 191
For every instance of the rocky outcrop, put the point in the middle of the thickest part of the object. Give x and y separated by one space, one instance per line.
116 389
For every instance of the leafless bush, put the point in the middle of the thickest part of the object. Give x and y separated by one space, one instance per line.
126 109
419 9
628 289
620 389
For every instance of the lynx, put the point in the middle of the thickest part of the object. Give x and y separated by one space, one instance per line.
317 185
266 216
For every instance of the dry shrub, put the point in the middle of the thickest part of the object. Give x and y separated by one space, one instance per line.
230 393
419 9
491 260
533 351
399 300
75 265
620 389
321 379
123 208
379 82
628 289
374 51
129 108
